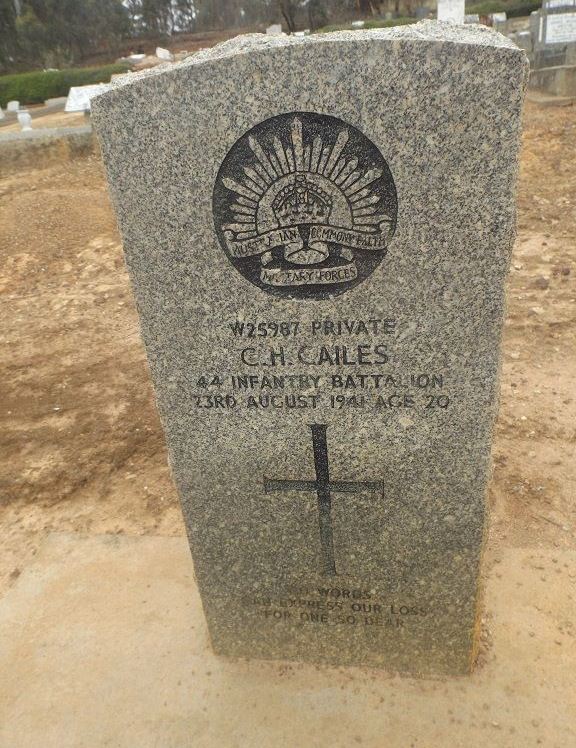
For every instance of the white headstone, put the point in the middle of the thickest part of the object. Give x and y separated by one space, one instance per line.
164 54
2 115
25 120
357 24
274 30
549 4
451 11
12 106
79 96
472 18
561 28
499 17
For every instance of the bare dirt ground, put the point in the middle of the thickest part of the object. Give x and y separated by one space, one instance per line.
41 120
81 443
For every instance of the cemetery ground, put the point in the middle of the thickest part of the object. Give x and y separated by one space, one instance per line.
83 452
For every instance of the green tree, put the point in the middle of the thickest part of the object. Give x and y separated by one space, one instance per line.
288 10
8 32
317 14
185 14
54 33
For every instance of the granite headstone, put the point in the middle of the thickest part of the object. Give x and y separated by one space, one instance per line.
318 232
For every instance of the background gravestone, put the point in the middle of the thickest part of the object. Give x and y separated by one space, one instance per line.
553 29
451 10
318 232
79 97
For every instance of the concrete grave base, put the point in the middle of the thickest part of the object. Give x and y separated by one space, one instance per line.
558 81
103 643
42 147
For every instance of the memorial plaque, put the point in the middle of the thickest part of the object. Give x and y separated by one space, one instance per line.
560 28
318 231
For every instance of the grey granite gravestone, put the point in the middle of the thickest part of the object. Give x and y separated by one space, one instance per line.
318 232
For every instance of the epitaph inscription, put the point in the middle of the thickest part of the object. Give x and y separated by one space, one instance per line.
305 205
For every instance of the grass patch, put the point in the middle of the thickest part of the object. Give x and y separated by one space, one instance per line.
513 8
36 87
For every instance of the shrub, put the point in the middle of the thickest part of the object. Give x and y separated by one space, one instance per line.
36 87
370 23
513 8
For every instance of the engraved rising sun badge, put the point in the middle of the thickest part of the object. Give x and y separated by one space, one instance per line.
305 206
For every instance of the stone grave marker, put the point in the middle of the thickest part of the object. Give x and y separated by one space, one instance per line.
24 120
498 19
451 11
558 6
523 39
553 30
164 54
80 97
12 106
318 231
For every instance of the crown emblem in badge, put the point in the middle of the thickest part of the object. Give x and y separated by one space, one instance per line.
306 205
302 202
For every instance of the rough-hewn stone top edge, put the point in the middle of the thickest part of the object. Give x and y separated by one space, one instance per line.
425 32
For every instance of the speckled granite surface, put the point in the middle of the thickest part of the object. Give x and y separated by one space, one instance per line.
318 231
